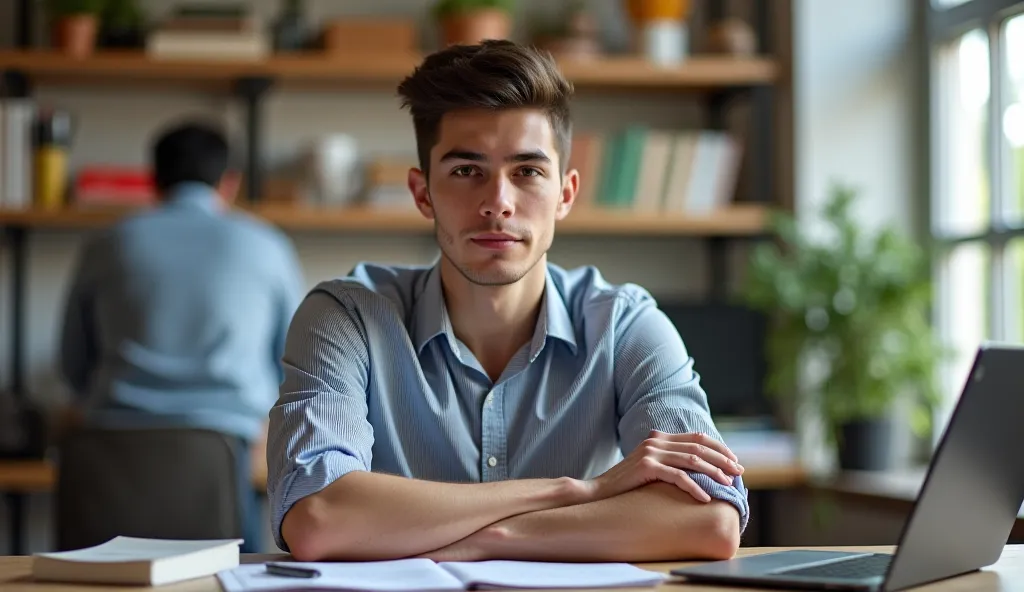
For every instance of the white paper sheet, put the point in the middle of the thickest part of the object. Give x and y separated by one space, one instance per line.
423 574
528 574
372 576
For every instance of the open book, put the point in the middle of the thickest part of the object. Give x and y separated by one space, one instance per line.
423 574
135 561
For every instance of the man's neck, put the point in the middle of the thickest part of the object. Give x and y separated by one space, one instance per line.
494 322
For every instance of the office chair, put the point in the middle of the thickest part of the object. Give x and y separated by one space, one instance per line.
152 482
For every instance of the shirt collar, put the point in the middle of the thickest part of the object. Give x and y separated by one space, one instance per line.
431 316
193 194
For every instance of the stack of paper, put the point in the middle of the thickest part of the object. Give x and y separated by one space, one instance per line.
423 574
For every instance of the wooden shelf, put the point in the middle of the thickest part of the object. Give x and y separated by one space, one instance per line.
134 67
737 220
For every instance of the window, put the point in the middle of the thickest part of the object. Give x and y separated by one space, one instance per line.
977 176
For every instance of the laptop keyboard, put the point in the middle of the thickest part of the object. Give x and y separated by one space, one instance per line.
865 566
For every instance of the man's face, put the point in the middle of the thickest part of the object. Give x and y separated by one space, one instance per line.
494 192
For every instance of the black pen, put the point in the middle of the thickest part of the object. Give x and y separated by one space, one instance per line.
291 571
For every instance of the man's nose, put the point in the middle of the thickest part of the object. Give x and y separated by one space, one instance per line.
498 201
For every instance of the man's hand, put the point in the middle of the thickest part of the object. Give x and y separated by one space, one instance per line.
667 457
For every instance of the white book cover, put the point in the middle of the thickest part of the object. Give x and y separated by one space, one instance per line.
138 561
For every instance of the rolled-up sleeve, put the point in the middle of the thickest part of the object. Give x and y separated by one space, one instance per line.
658 389
318 428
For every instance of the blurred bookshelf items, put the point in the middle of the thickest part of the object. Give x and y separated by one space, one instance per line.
52 141
17 121
367 35
661 32
573 35
122 25
291 29
121 186
731 36
650 170
333 170
75 25
387 183
472 21
210 32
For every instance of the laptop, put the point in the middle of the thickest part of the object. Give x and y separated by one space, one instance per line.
963 514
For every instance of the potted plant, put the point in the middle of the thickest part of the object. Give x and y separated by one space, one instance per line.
469 22
850 328
75 25
122 25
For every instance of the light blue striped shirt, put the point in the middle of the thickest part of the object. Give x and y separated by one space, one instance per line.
177 317
376 380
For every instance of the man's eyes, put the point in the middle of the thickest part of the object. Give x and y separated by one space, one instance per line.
469 171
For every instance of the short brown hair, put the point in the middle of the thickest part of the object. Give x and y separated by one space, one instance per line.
496 74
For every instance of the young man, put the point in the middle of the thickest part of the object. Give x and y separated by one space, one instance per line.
481 408
177 316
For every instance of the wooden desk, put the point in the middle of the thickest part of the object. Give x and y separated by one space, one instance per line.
19 478
1005 576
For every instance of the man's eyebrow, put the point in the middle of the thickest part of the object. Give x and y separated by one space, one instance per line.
458 154
535 155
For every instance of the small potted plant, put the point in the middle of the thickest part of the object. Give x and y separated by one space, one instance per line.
75 25
467 22
850 332
122 25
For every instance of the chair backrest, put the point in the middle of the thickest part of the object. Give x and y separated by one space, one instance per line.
158 483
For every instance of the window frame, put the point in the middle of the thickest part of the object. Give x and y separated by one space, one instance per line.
944 25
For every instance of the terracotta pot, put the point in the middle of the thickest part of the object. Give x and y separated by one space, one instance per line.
642 11
472 27
76 35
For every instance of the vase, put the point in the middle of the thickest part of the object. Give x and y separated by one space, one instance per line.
866 445
474 26
76 34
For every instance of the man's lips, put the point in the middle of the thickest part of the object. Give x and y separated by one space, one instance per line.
495 240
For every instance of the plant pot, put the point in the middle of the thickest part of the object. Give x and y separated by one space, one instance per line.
472 27
115 37
866 445
75 35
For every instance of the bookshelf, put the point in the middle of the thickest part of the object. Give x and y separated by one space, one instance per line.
134 68
737 220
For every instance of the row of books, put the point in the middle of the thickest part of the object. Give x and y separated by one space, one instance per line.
654 170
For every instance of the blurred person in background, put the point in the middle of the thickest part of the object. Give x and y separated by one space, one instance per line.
176 316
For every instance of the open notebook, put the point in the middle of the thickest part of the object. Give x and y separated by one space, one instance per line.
423 574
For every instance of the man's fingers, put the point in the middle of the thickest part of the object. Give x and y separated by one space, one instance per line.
707 453
696 438
681 480
712 450
688 461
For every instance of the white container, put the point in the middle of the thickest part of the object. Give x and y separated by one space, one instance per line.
333 169
664 42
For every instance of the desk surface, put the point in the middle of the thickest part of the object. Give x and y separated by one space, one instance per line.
37 476
1006 575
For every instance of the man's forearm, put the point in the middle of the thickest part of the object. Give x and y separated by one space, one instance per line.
369 516
657 522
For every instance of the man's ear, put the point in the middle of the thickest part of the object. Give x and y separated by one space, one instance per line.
570 188
418 186
229 185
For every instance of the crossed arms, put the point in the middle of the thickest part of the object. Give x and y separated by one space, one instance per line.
654 505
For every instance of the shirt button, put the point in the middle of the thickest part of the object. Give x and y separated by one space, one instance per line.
492 461
489 399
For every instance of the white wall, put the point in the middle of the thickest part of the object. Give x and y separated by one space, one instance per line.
857 100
